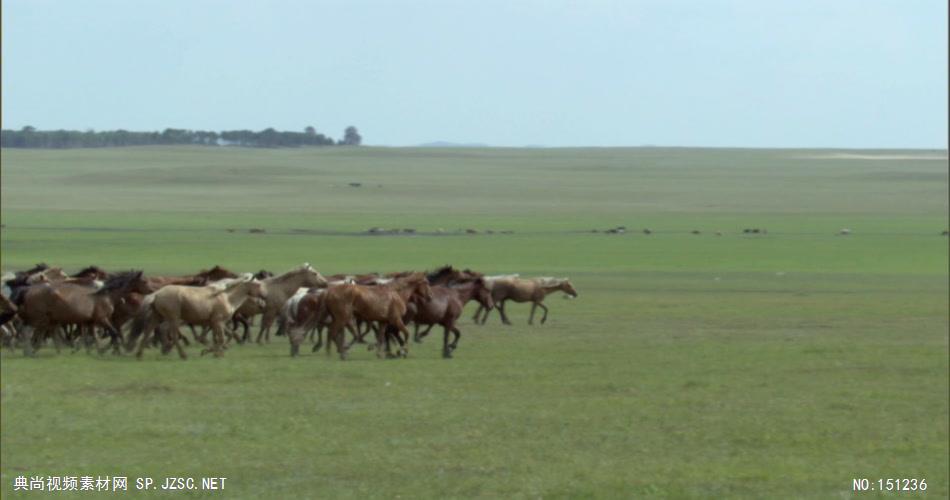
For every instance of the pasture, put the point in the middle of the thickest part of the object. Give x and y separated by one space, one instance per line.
772 365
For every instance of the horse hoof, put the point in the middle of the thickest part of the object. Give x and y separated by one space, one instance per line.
447 354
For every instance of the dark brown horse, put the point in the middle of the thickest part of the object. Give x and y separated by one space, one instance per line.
448 274
49 306
94 272
444 307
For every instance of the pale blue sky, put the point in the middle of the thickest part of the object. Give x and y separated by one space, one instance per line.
863 73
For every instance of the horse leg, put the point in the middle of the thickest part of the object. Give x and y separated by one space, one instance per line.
504 316
58 338
534 305
477 313
27 338
446 353
147 333
404 348
545 317
487 313
340 347
174 338
458 335
114 336
203 338
295 337
424 334
266 321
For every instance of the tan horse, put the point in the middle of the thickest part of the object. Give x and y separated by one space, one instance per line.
527 290
210 306
278 289
490 284
386 304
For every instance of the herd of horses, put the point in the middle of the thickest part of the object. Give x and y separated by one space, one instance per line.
134 311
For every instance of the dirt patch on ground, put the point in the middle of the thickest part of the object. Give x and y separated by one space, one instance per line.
124 390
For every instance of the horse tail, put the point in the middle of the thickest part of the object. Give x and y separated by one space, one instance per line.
6 317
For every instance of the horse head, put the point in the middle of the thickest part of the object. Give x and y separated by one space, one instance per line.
482 293
568 288
217 273
419 285
312 278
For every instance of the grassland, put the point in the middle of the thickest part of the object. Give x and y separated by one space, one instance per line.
767 366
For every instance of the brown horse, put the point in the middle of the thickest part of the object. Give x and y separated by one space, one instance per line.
49 306
527 290
201 278
280 288
444 307
386 304
173 305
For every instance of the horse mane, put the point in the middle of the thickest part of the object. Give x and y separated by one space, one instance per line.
119 281
37 268
231 283
20 277
547 281
262 274
442 271
90 271
289 274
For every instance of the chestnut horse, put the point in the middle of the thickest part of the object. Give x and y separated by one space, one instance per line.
383 303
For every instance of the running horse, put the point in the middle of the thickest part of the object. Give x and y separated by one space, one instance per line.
532 290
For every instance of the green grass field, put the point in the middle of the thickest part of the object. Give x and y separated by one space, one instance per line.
764 366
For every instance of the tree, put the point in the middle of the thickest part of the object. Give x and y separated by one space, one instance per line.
310 131
351 137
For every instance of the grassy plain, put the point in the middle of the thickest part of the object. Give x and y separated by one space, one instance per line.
778 365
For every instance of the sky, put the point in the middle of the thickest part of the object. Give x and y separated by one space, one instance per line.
797 73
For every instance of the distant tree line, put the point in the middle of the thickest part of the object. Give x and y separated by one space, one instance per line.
29 137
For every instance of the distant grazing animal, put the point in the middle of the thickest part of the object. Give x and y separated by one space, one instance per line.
527 290
844 232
